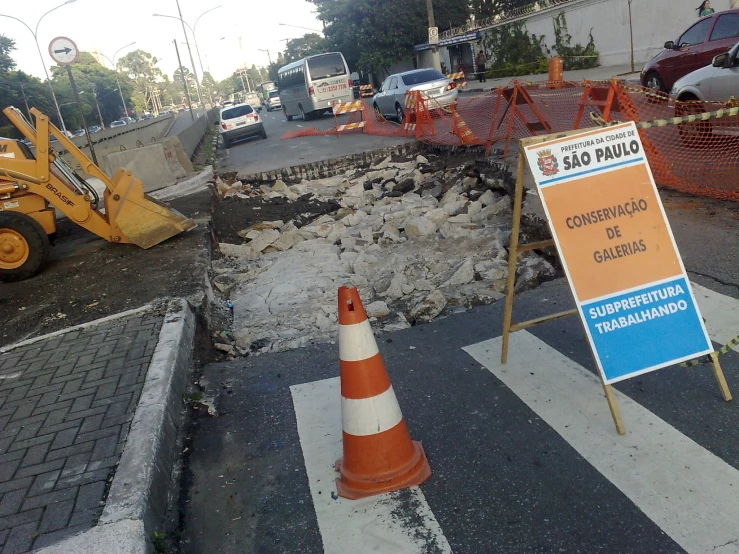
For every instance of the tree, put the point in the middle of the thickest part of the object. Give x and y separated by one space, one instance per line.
374 34
141 67
7 45
95 81
307 45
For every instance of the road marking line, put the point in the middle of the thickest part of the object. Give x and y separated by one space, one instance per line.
720 311
690 493
357 526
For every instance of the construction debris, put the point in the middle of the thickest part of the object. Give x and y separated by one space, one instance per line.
416 238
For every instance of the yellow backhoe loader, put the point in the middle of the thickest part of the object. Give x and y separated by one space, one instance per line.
32 186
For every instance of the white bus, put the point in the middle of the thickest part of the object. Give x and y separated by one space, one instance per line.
314 84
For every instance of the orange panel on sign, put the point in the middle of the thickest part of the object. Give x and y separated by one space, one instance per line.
611 231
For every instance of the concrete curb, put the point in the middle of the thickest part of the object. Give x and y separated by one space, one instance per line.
328 168
138 496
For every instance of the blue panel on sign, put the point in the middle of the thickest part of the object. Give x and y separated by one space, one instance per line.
645 328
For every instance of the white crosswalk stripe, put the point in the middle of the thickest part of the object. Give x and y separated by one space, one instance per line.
690 493
368 525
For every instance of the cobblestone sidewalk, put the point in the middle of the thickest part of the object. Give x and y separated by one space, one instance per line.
66 404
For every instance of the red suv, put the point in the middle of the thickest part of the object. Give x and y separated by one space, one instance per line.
708 37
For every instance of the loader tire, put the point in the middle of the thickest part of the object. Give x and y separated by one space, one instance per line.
24 247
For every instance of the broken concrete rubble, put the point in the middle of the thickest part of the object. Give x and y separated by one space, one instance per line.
417 243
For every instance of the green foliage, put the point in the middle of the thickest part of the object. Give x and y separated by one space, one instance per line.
577 56
307 45
374 34
511 50
7 45
141 68
159 541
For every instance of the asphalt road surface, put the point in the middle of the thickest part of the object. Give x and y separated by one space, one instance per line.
255 155
524 457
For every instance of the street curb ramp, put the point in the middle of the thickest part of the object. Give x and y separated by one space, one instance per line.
138 496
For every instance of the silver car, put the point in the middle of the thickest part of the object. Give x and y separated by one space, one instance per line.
718 82
390 100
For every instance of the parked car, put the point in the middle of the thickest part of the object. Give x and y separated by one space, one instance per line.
117 123
79 132
390 99
696 47
272 102
128 120
95 128
240 121
717 82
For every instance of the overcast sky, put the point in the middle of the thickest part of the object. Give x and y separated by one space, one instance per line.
106 25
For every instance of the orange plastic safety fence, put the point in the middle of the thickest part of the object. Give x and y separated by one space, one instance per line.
700 157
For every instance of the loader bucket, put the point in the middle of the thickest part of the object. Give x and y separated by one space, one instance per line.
141 219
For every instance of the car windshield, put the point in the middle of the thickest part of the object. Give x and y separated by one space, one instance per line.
274 93
424 76
252 96
327 65
237 111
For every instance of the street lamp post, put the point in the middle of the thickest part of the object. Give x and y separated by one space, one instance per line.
112 62
298 27
184 80
269 56
197 48
43 63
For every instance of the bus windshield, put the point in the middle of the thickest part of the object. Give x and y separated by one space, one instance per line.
325 66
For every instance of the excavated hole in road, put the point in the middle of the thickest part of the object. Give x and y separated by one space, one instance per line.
420 237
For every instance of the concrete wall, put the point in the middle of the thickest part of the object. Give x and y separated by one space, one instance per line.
192 135
150 164
653 24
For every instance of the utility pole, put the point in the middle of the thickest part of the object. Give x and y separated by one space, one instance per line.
192 61
184 80
97 105
25 101
434 47
82 115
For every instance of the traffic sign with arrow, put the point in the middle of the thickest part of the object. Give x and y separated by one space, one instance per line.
63 50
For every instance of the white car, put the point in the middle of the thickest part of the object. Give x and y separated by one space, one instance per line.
717 82
240 121
117 123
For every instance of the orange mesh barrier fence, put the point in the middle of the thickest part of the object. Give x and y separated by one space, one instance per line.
698 154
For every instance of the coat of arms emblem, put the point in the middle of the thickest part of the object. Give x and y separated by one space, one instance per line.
547 163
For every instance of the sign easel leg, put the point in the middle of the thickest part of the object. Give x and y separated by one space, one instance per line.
720 379
615 412
513 255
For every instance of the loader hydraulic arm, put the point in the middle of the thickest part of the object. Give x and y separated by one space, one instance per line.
129 217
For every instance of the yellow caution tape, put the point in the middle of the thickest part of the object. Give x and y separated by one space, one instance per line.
723 350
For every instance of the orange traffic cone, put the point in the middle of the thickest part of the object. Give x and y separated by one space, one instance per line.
379 455
461 129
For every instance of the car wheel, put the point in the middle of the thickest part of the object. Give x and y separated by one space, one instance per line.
694 134
654 82
226 143
264 134
399 113
288 117
305 116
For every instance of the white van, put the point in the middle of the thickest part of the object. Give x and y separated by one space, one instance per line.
314 84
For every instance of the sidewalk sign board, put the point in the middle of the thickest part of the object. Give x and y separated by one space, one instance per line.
618 251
